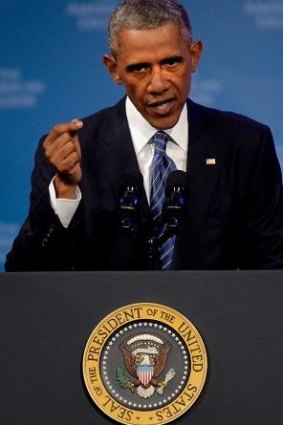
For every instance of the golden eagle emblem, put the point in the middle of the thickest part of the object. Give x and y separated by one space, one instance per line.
145 358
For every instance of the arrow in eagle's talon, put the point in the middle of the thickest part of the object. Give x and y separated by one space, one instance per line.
169 375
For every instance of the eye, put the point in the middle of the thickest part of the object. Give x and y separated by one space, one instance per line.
172 61
138 68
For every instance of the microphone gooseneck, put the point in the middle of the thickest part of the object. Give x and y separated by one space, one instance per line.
129 203
176 195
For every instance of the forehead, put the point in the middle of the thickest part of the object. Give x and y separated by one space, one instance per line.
165 40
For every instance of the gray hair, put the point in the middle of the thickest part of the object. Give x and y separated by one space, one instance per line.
145 15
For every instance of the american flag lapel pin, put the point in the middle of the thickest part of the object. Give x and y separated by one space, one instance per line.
210 161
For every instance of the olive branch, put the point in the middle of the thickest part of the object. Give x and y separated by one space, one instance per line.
123 379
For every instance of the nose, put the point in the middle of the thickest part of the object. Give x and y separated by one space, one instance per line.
158 83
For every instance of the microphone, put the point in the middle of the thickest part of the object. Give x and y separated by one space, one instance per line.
176 194
129 202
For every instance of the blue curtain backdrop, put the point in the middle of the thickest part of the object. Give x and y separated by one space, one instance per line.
51 71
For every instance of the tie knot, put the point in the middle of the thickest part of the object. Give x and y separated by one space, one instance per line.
160 140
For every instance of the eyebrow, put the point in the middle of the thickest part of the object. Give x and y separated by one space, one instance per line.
138 65
176 58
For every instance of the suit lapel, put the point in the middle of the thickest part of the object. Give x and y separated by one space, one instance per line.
116 154
204 166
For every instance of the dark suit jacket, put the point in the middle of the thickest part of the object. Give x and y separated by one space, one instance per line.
233 216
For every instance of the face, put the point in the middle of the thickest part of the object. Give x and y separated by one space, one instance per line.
155 67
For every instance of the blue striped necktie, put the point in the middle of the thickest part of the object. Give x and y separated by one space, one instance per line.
162 166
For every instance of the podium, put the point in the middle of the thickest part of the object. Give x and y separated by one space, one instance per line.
47 318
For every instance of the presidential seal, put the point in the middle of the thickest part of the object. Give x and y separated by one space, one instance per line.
145 364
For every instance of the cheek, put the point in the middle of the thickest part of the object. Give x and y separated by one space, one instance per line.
137 91
184 85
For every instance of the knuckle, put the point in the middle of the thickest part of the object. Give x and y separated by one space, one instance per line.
57 128
45 142
66 137
48 155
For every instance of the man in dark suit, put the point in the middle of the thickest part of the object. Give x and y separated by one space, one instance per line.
233 215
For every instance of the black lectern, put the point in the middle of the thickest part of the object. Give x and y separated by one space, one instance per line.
46 319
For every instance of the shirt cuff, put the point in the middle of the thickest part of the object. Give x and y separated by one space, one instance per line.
64 208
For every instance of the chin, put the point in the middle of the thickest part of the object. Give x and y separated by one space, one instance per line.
164 124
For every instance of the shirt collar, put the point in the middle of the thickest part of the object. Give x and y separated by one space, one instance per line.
141 131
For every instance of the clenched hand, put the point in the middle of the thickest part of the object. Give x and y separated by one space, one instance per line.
62 149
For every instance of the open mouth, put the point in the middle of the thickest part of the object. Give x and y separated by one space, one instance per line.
162 107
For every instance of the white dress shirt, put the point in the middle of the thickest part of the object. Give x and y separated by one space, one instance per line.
141 133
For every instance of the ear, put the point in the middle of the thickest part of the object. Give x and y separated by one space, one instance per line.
111 65
196 50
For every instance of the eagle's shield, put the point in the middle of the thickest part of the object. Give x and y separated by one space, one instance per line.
145 374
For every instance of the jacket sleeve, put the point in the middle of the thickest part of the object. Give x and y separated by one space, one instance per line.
43 243
262 210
